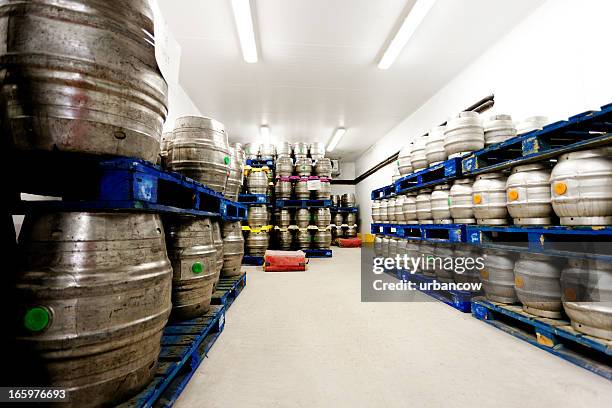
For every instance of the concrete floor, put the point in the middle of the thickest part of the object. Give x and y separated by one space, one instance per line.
304 339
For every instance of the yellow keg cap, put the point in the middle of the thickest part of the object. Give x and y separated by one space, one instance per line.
513 195
519 282
477 199
560 188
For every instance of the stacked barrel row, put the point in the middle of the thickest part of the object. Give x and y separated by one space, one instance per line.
464 133
303 228
299 150
574 189
546 286
202 249
344 223
300 172
577 191
93 291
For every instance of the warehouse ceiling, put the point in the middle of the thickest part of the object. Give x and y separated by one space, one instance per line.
317 63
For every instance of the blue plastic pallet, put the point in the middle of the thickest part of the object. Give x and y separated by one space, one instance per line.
318 253
586 130
383 192
257 163
302 203
253 199
441 173
427 232
397 230
583 242
552 335
344 209
444 232
133 184
228 290
184 346
459 300
253 260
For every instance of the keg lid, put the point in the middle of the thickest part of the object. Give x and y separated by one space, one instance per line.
468 114
199 122
487 176
405 151
532 123
436 133
500 117
585 154
528 167
463 181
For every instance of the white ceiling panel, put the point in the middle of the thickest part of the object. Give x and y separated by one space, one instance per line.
317 63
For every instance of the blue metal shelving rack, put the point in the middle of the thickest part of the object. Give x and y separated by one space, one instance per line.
589 129
129 184
586 130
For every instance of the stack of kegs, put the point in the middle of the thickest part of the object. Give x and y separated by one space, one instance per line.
93 291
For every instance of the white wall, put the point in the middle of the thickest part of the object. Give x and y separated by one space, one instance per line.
168 56
179 104
556 62
347 172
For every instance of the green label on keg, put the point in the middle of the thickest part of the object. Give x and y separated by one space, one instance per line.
36 319
226 159
449 201
197 267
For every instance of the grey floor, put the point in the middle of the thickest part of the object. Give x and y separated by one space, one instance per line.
305 340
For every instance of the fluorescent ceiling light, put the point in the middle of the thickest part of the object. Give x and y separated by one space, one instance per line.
246 33
336 139
411 23
264 132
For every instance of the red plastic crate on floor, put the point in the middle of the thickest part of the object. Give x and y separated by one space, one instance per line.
284 261
349 242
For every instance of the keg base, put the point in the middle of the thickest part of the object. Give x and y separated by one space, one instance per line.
492 221
592 331
542 313
443 221
188 312
532 221
404 171
502 299
460 154
426 222
587 221
231 272
465 221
